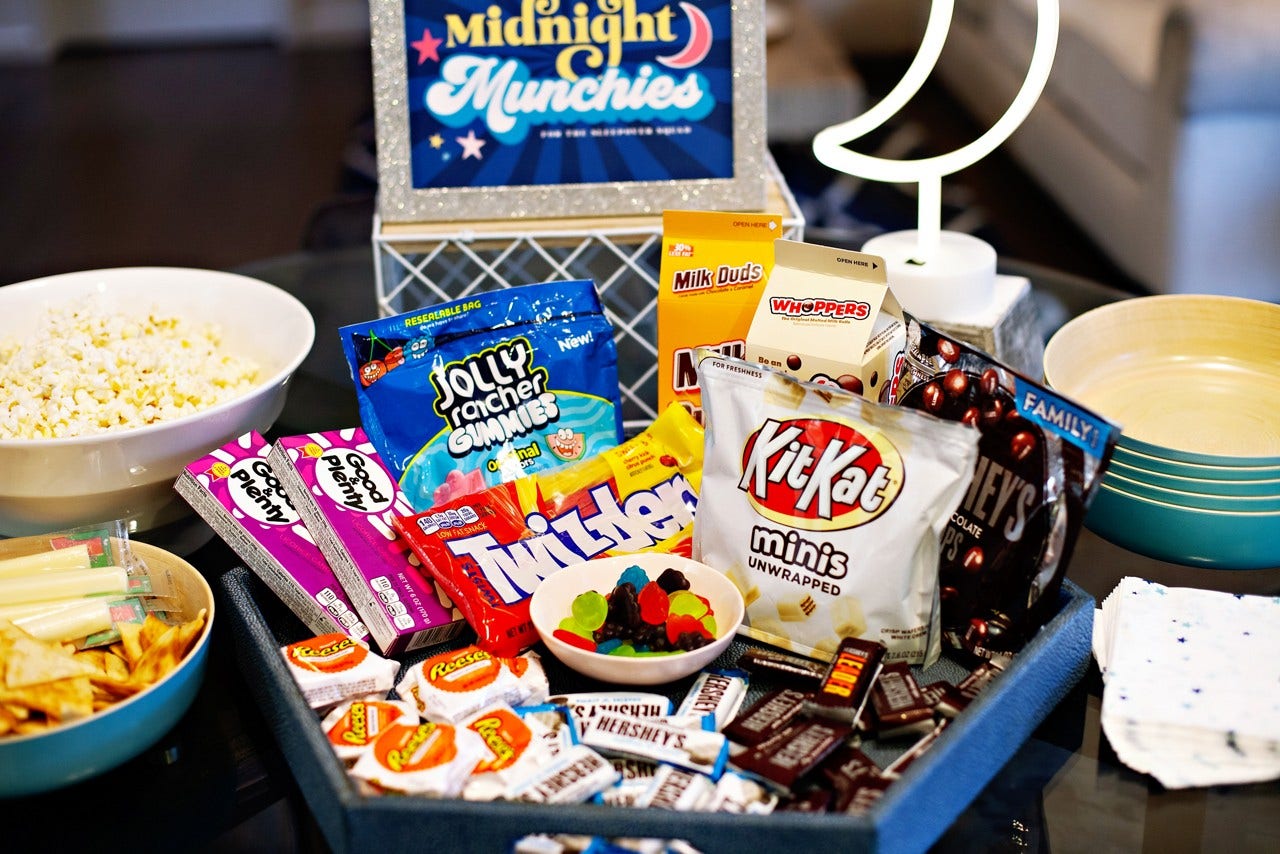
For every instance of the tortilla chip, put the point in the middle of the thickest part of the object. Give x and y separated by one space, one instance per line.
65 699
33 725
115 667
30 662
153 628
167 652
15 711
92 657
161 657
131 642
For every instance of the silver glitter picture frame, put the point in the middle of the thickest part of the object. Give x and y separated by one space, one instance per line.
400 201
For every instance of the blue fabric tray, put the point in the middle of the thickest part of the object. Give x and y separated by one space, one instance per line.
913 813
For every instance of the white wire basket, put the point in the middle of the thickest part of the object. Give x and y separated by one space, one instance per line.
417 265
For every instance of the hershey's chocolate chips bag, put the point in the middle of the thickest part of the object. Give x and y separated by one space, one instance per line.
1041 457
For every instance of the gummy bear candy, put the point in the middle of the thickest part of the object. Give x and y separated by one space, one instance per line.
575 640
624 610
689 604
590 609
681 624
635 576
654 604
608 647
672 580
572 624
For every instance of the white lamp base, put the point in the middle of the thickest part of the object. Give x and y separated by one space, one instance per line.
1008 329
958 292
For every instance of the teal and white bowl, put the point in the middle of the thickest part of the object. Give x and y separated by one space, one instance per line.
1192 379
1200 485
79 750
1215 539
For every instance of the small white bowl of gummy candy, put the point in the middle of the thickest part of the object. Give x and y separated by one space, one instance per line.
642 619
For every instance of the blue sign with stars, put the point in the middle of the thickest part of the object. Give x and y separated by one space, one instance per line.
553 92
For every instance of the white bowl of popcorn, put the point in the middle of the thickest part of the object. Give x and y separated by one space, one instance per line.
112 380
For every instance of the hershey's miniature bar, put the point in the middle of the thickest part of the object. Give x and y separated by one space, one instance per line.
847 682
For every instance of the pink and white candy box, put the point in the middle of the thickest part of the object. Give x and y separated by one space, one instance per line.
347 497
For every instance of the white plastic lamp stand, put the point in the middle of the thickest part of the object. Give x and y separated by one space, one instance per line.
936 274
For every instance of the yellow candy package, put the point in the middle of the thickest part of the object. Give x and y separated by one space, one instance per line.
714 268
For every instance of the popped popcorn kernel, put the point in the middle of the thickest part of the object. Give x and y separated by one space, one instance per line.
89 369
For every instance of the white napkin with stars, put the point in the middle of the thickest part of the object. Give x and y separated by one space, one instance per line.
1191 683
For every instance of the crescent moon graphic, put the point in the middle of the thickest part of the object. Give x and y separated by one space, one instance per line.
699 43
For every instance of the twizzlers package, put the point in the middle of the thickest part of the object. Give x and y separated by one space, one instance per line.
826 510
483 390
1006 548
491 549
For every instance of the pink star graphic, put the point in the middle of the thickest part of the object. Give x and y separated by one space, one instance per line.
427 46
470 145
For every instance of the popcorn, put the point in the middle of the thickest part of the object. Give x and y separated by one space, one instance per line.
85 369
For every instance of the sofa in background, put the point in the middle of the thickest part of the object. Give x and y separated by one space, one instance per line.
1158 131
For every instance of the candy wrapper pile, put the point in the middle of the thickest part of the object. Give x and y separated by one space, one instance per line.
468 724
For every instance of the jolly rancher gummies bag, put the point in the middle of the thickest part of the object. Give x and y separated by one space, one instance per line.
483 390
826 510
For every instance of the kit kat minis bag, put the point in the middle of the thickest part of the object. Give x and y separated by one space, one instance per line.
826 510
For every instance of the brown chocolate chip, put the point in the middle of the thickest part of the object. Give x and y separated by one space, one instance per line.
971 416
850 383
1022 444
973 560
948 350
793 362
956 382
933 398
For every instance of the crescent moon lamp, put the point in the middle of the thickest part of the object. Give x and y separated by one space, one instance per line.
928 258
699 44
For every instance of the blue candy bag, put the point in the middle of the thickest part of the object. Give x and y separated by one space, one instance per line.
464 395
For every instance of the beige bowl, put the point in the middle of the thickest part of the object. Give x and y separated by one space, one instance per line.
1190 378
53 484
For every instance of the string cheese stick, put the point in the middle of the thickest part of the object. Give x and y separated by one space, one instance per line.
31 609
67 584
73 557
67 624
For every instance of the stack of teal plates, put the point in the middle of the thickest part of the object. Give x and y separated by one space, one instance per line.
1194 383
